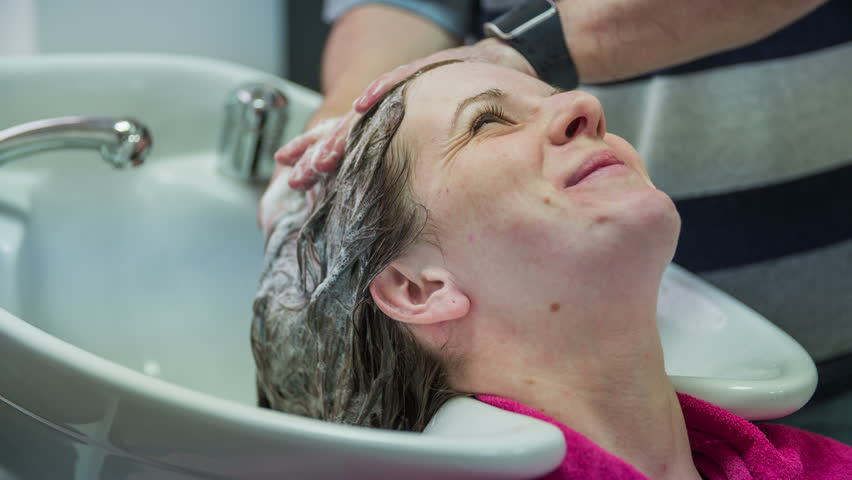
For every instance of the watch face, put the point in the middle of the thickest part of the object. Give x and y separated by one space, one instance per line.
525 17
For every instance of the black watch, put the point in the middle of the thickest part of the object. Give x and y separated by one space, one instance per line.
535 31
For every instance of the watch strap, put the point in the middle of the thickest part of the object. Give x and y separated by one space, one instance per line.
534 29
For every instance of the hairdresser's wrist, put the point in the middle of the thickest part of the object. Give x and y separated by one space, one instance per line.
502 53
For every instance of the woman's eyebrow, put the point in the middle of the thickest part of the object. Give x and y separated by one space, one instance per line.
490 94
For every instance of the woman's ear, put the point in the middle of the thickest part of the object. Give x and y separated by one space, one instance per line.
418 296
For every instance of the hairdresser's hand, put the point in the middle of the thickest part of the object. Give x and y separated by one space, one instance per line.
315 152
489 50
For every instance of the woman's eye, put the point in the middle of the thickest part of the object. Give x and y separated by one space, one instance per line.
491 114
484 120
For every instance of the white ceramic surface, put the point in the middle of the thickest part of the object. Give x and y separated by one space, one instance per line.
126 305
719 350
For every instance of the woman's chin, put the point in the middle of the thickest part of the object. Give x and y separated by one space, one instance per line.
639 217
656 214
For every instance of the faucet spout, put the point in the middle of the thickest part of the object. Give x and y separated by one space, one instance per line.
121 142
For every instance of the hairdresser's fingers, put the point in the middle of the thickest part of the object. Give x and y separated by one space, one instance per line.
293 150
384 82
325 156
328 162
304 175
295 179
331 150
303 151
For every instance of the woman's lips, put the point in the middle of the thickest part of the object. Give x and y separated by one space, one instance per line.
594 162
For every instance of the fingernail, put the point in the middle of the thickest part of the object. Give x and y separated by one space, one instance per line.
357 103
361 105
282 152
365 101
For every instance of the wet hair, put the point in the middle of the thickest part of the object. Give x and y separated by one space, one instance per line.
322 347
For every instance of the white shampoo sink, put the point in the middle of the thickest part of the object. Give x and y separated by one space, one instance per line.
125 308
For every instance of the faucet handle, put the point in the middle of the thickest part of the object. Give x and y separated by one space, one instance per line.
255 114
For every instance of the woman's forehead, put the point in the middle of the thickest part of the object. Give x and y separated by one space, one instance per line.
433 90
458 78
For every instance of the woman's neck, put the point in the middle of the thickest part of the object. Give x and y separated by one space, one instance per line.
633 416
614 390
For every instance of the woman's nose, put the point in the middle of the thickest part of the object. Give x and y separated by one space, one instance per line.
575 114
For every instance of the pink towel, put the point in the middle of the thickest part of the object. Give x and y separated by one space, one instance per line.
724 447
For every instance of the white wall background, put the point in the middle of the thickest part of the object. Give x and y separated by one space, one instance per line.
247 32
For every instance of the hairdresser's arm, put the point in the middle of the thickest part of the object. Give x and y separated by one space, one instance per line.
367 41
617 39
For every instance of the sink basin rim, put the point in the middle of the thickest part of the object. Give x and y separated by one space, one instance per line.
542 444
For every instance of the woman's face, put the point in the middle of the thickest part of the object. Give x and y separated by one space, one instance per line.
536 205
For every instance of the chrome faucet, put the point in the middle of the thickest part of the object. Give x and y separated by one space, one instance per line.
121 142
254 122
